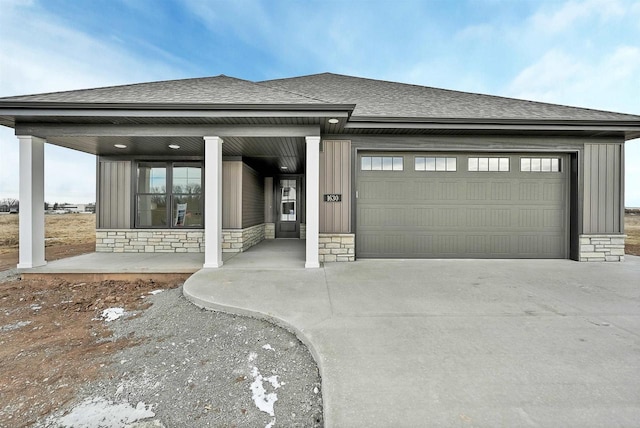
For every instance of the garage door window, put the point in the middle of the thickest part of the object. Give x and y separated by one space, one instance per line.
540 164
381 163
435 164
489 164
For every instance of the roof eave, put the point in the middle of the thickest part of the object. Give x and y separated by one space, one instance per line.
29 105
629 127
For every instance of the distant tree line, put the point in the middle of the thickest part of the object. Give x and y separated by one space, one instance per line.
13 205
9 204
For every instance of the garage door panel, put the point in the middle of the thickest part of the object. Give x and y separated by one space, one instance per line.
425 190
449 190
501 191
507 214
501 217
447 217
553 219
529 191
477 217
529 219
425 217
477 191
553 192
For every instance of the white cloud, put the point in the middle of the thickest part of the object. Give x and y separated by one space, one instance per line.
38 53
574 12
546 78
593 82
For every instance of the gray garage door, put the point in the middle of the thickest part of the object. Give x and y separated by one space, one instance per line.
475 205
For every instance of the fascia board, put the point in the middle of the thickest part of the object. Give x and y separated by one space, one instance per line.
619 126
168 113
172 106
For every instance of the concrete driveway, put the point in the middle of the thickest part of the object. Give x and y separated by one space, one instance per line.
455 342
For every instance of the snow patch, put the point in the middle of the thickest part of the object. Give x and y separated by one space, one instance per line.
268 347
264 401
154 292
98 411
271 424
112 314
252 356
14 326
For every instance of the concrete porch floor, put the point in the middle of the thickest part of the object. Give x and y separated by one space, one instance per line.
269 254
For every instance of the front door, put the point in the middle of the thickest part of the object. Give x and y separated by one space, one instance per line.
288 207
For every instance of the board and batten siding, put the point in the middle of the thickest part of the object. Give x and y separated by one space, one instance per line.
252 197
603 189
335 178
114 194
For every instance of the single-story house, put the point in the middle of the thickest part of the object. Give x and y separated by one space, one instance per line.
360 168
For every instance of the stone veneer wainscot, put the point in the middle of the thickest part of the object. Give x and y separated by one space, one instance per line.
239 240
269 231
602 248
173 240
336 247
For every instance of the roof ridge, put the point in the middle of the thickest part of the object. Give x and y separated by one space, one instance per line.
281 89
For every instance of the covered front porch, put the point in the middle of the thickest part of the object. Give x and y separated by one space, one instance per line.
269 152
268 254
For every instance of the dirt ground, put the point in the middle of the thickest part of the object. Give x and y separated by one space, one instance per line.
66 235
54 325
52 340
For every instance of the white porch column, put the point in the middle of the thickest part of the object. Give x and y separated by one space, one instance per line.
212 202
31 202
313 201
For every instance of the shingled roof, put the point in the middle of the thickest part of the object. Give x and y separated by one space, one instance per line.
374 100
218 90
378 99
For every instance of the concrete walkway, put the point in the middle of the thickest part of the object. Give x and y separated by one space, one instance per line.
455 342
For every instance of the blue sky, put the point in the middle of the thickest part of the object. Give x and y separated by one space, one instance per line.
582 53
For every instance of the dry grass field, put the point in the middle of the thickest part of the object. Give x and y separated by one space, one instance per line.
66 235
632 229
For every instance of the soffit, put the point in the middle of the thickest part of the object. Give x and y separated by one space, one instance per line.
266 155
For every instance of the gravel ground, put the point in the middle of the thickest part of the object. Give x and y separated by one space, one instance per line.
199 368
8 275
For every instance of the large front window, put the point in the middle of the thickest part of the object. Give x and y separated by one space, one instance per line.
169 194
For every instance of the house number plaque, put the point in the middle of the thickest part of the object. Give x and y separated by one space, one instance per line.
333 197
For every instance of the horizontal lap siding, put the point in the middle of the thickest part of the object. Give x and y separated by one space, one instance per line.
603 200
268 200
114 194
252 197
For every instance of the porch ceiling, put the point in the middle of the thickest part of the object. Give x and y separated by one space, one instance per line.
265 154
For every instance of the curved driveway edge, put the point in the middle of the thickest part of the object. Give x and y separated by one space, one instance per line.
455 342
294 298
